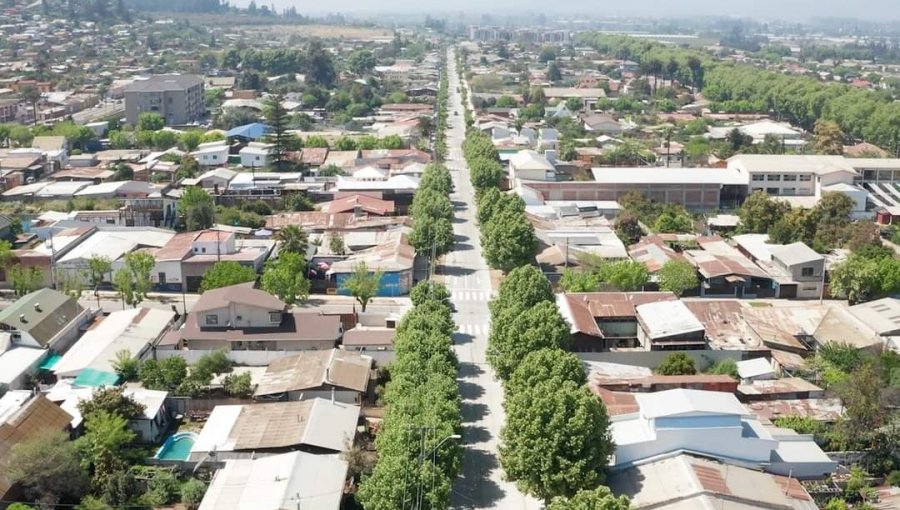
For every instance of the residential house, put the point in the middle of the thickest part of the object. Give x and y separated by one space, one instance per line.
588 96
394 258
603 321
797 271
256 155
337 374
240 317
45 319
686 481
25 415
601 123
215 180
358 204
295 480
528 165
186 257
725 271
212 154
316 426
150 425
669 326
134 331
715 425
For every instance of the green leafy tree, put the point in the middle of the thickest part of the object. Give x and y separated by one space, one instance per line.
98 268
192 493
47 466
759 212
677 363
556 441
111 400
427 290
166 374
126 366
188 168
523 287
508 240
362 284
677 276
829 139
361 62
550 365
238 385
209 365
191 139
669 222
517 332
431 235
859 279
198 208
485 173
600 498
285 277
133 281
225 274
579 281
149 121
25 280
725 367
625 275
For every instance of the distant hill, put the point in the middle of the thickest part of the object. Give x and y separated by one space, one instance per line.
178 5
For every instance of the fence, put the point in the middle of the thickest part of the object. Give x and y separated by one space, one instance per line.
260 358
651 359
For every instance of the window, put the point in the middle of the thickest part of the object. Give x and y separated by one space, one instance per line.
806 178
257 158
759 177
790 177
809 287
162 278
238 318
806 271
772 191
203 250
275 317
773 177
212 320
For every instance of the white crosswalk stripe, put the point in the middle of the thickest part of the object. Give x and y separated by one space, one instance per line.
470 295
474 329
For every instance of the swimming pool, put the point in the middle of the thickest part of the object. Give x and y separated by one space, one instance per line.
177 446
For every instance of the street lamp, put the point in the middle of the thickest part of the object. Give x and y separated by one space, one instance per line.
433 455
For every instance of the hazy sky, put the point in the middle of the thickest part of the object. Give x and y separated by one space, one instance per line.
795 9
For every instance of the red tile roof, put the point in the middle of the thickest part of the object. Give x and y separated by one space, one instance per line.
365 203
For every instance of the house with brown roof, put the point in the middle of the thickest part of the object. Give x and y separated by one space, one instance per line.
24 416
337 374
726 272
601 321
314 157
240 317
359 204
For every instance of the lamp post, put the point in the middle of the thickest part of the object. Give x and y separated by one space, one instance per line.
433 455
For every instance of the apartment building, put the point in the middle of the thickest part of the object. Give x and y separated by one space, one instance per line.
177 97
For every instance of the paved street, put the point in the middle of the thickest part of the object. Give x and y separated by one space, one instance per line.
466 275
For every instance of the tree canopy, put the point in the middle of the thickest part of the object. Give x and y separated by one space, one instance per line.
226 273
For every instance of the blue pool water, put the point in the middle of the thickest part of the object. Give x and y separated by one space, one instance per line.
177 446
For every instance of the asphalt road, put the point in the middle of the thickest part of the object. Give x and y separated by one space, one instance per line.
467 276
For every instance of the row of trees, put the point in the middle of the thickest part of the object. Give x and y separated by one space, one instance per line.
507 237
417 457
432 212
440 132
676 276
556 442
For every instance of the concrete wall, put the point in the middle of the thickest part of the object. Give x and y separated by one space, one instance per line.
651 359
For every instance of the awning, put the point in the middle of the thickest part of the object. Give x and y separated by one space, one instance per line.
93 378
735 279
50 362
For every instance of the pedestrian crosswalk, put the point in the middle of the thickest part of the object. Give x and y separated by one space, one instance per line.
470 295
474 329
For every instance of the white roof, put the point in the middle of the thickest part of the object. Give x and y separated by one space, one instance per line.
370 172
214 149
63 188
395 182
25 189
794 253
214 436
113 244
755 367
296 480
790 163
694 402
882 315
242 103
130 330
18 360
11 402
756 245
667 318
68 397
660 175
530 160
111 188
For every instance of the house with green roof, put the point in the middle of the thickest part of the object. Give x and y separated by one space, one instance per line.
45 319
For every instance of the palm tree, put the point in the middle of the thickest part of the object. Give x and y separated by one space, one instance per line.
293 239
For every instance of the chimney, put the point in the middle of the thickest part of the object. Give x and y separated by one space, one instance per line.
37 307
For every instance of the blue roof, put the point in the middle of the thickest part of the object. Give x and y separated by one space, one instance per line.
252 131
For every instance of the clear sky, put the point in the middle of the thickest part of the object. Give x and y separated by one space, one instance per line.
794 9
